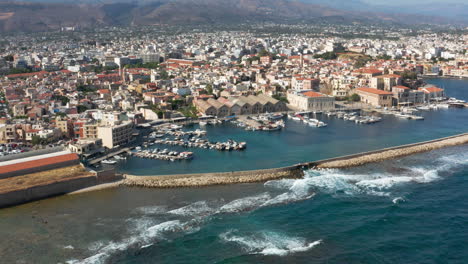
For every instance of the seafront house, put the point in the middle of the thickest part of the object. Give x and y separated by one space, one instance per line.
432 92
311 100
405 96
375 97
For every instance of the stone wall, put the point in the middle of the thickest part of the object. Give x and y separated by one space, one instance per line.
56 188
389 153
206 179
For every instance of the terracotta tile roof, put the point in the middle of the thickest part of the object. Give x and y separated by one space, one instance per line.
103 91
37 163
313 94
374 91
431 89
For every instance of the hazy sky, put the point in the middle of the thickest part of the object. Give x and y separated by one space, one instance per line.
396 2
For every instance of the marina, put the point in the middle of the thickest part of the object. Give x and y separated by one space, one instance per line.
202 143
164 154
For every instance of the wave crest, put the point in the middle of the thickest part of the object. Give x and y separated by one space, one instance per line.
269 243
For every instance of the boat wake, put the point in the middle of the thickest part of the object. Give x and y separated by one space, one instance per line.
268 243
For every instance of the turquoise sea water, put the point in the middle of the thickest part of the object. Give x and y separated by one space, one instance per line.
409 210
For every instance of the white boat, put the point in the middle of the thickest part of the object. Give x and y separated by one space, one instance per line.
119 157
424 107
108 162
402 116
276 116
203 123
296 118
443 106
415 117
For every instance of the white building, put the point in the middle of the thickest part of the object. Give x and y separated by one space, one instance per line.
311 101
117 134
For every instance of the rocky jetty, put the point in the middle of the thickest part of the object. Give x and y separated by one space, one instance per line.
397 152
207 179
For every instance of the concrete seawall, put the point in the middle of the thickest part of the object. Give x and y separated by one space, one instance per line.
45 191
50 189
295 171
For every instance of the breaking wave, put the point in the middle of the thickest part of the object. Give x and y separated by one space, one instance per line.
145 237
269 243
378 183
245 204
200 208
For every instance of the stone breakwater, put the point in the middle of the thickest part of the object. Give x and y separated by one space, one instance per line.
208 179
291 172
392 153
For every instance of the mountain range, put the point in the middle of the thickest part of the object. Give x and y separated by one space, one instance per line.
43 15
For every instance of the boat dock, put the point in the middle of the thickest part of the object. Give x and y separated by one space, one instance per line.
250 122
160 156
200 143
109 155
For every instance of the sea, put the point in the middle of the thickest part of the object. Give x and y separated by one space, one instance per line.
407 210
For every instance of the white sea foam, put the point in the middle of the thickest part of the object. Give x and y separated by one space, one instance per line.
245 204
269 243
380 184
199 208
103 250
146 246
398 200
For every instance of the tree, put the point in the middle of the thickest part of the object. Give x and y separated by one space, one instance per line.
408 75
384 57
263 52
281 98
355 98
37 140
164 75
326 56
81 108
9 58
61 98
209 88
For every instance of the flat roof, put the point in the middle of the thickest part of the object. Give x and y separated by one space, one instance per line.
31 158
38 163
